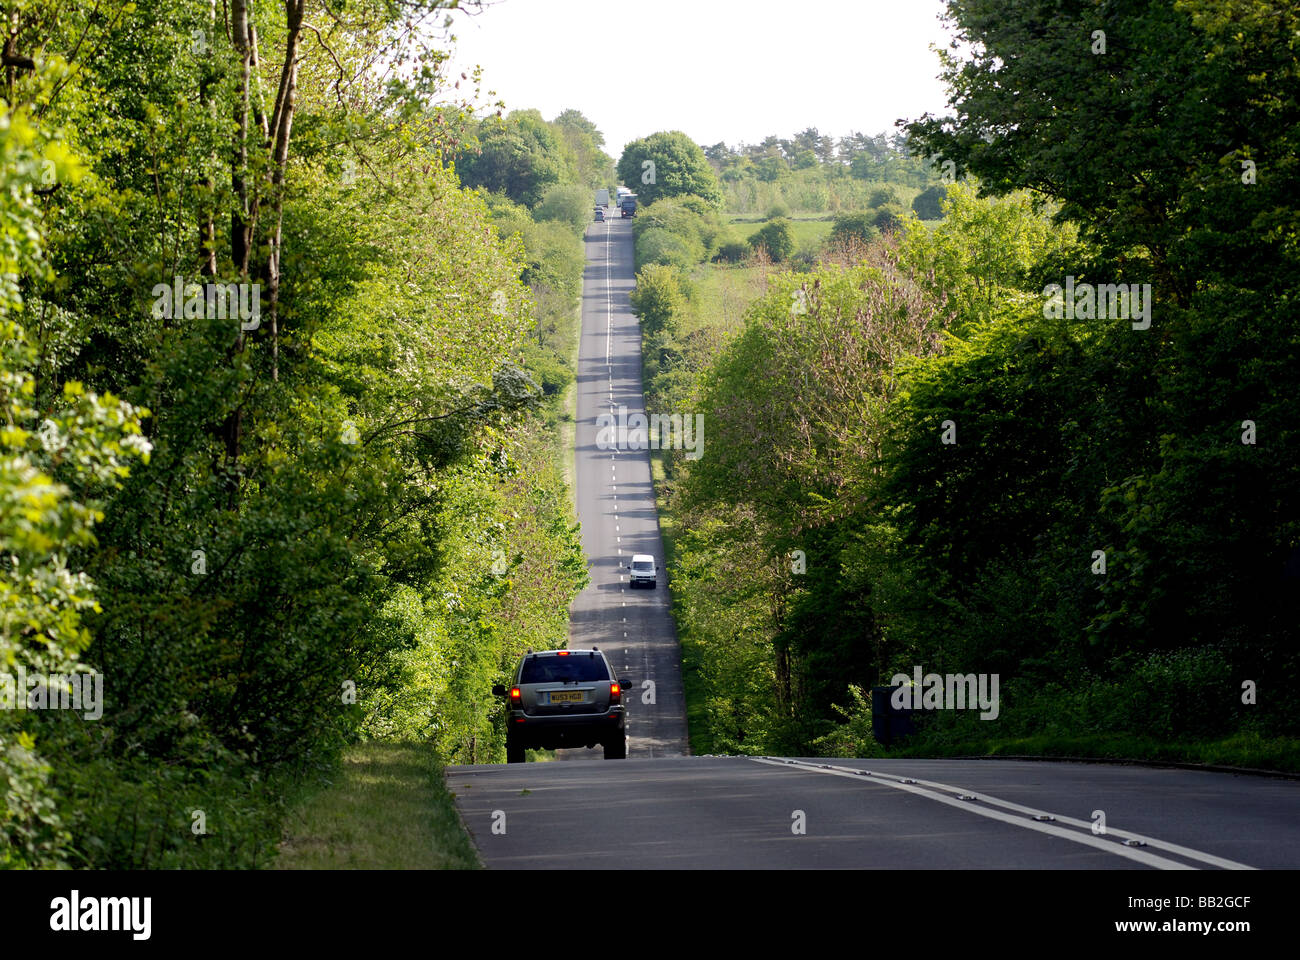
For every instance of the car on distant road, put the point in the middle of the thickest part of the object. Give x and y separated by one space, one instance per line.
564 698
642 571
600 214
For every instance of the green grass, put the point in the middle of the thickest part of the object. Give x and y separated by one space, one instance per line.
1245 751
387 808
808 234
720 295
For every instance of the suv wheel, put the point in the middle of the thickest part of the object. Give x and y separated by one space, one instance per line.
616 749
514 751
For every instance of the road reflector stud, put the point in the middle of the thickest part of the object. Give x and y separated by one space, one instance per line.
1045 818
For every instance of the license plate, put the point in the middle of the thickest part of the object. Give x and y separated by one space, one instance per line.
566 696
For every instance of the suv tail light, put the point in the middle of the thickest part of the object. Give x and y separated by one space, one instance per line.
515 695
615 693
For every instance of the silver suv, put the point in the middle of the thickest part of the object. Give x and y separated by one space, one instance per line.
564 698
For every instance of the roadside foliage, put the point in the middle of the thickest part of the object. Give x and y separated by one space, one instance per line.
916 457
336 513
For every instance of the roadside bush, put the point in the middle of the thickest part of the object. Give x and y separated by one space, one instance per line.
776 238
661 246
690 218
853 737
889 218
854 225
733 251
554 258
1176 695
658 299
569 204
551 373
663 355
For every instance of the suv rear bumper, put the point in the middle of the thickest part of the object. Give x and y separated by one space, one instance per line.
555 732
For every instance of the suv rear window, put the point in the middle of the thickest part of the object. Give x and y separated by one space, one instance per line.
556 669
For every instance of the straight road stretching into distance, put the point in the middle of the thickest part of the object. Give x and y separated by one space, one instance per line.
664 809
616 506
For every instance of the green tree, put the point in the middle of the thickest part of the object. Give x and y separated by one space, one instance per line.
1188 209
771 169
795 453
593 167
668 164
864 167
519 156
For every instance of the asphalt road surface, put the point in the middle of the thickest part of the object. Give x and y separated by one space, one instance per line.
616 507
747 813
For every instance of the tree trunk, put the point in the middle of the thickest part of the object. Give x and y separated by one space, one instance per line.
241 217
281 129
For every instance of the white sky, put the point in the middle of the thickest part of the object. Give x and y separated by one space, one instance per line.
730 70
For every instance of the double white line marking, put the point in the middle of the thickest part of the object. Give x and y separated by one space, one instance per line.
981 804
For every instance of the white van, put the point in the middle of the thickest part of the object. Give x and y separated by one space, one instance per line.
642 571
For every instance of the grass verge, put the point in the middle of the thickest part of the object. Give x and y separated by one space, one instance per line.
387 808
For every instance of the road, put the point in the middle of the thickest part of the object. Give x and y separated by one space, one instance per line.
741 813
616 506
